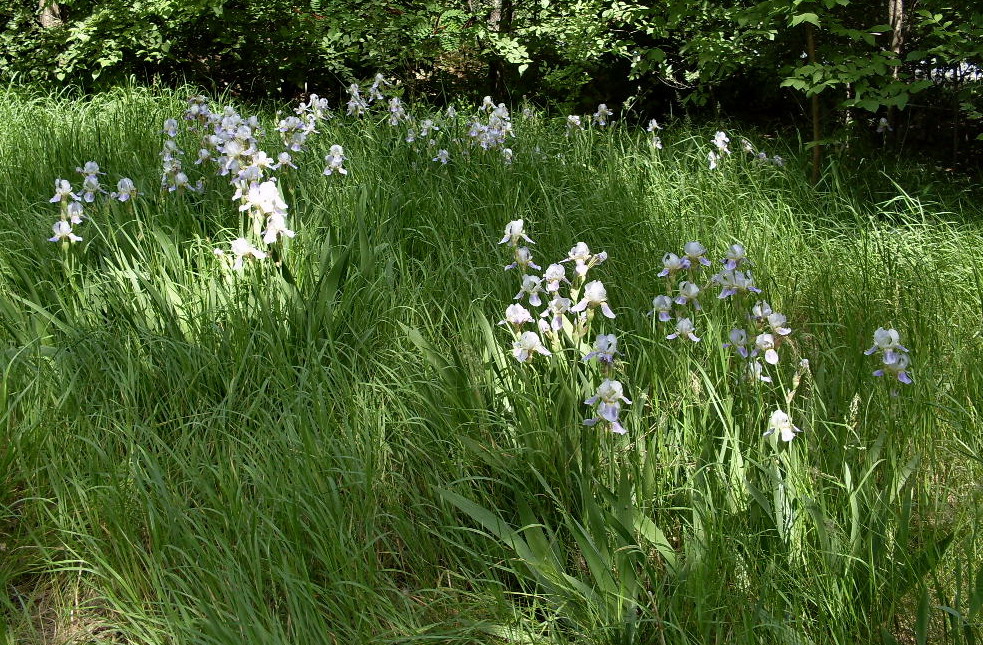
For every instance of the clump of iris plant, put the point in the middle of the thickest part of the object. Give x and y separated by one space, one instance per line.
397 113
357 106
685 293
230 144
375 90
757 344
173 178
90 183
514 233
770 332
491 134
720 141
653 128
70 211
562 324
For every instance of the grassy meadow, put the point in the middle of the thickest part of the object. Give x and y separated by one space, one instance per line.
338 444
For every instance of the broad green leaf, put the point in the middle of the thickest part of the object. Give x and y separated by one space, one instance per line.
491 523
805 17
921 618
598 561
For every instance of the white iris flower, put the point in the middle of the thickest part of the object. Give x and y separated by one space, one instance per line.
526 345
781 424
607 403
595 295
63 233
684 327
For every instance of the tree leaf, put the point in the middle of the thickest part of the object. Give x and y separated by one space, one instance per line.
805 17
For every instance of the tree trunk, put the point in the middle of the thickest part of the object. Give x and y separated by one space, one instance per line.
895 18
499 20
50 13
957 75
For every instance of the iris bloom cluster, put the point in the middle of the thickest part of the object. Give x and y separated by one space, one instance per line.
720 141
357 106
70 208
761 155
429 133
756 344
689 265
893 355
768 329
229 143
564 321
173 178
734 282
767 334
397 113
375 90
90 184
514 234
491 135
294 132
72 202
264 203
653 128
526 344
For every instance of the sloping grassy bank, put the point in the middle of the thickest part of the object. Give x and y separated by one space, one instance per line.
342 448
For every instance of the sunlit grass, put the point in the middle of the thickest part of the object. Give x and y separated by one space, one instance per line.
195 455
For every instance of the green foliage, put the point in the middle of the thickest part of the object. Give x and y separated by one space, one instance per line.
719 52
260 46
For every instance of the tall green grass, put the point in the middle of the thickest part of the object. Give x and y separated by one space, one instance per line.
192 455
